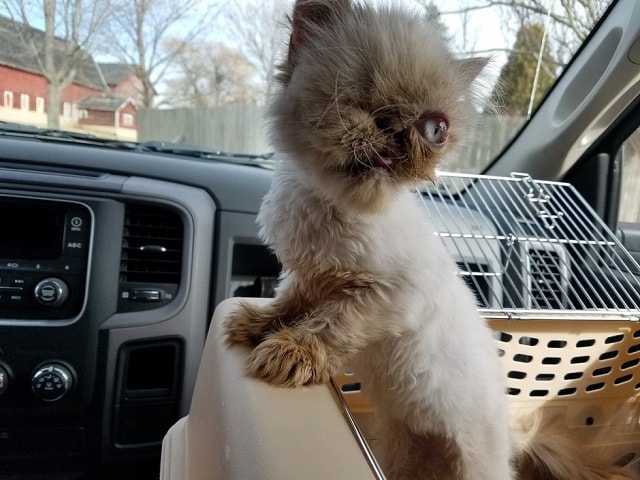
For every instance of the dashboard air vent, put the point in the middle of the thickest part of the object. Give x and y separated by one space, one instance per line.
548 276
152 244
475 276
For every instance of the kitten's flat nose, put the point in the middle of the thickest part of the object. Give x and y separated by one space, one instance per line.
388 123
382 123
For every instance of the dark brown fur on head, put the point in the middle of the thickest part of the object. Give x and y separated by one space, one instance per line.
369 100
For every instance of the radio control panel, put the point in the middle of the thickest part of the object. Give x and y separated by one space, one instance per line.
44 257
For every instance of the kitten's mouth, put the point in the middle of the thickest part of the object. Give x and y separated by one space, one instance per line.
375 164
381 161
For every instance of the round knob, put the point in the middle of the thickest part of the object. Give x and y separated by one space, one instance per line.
4 380
51 292
51 382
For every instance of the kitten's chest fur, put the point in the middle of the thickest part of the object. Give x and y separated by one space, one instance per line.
306 229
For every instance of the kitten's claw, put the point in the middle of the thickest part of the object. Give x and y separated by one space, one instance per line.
280 360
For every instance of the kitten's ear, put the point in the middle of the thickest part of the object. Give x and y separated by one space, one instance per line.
472 67
307 13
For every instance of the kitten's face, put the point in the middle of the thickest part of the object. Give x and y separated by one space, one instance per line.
370 99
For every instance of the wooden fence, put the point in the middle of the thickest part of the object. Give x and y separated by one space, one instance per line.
231 128
240 129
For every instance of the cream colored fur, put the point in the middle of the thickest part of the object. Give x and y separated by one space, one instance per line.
431 361
363 272
545 449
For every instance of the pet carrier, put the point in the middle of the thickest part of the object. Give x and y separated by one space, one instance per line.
562 295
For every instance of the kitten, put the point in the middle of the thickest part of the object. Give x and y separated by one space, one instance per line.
370 102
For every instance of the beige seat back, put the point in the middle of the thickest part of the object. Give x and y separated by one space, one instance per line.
240 428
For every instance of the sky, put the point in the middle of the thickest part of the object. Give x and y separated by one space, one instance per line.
484 33
483 26
480 32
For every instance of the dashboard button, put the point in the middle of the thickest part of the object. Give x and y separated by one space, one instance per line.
146 295
76 246
51 382
51 292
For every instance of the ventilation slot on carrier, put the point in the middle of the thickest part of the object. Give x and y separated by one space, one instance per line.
151 258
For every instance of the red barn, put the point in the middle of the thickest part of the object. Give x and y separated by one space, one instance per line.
86 101
108 112
123 83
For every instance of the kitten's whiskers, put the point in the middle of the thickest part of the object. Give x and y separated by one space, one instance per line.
334 101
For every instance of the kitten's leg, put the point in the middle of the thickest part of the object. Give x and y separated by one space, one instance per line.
341 309
249 324
405 455
484 452
479 436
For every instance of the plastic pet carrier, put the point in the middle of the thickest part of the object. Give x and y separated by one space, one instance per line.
562 295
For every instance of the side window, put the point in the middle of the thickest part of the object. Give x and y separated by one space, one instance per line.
24 101
8 99
630 194
127 120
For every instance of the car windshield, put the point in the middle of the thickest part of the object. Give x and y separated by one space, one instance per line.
146 71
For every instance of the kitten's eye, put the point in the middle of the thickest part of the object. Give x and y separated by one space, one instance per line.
434 129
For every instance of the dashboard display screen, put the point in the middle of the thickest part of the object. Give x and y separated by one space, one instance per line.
30 229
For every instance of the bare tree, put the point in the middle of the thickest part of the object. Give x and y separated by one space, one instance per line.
468 42
260 28
209 75
61 51
569 21
138 35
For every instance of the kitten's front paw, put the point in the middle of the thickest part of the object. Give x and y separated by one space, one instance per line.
243 326
280 360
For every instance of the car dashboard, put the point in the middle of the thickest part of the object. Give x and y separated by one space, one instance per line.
112 260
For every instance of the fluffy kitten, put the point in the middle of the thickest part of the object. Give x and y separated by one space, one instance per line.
371 101
369 104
